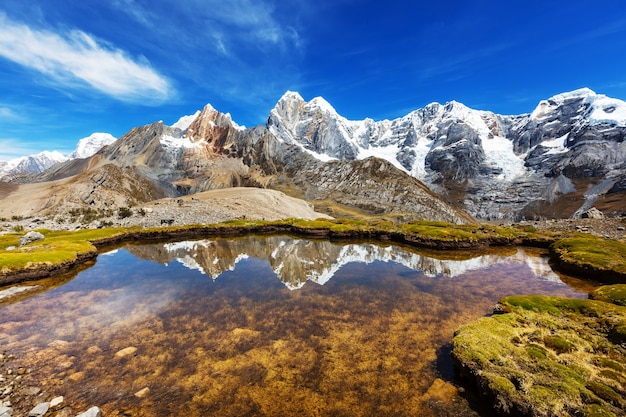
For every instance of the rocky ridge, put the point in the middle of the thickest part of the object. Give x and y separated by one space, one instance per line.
436 163
213 152
570 147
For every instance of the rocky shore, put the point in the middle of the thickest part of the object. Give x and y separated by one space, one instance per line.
19 395
612 228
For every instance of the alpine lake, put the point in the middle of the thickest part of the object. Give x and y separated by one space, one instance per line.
265 326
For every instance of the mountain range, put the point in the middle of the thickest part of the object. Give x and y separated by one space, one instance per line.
297 261
441 162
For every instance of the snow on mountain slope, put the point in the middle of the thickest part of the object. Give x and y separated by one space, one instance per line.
40 162
33 163
88 146
317 127
598 108
184 122
495 165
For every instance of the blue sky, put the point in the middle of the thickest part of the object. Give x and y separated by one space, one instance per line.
73 67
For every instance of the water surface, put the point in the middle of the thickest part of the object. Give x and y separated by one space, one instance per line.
270 326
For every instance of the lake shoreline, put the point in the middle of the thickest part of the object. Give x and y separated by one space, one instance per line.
477 238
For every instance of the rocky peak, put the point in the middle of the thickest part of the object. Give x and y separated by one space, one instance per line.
214 129
313 125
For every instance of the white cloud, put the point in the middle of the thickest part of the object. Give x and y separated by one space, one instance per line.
76 58
8 114
13 148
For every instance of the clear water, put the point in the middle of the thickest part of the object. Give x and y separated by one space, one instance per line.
271 326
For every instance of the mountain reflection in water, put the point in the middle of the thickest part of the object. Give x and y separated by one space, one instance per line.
296 261
372 340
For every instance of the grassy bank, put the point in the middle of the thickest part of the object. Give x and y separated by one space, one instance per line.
592 256
549 356
60 250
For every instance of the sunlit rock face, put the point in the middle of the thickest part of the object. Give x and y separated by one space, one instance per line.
495 166
439 162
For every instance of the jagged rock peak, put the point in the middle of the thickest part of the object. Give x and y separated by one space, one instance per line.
291 104
210 123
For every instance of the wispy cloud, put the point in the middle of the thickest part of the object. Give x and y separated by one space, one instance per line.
457 67
7 114
13 148
242 51
76 59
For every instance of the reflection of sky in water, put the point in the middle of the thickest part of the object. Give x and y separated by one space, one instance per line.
122 289
259 319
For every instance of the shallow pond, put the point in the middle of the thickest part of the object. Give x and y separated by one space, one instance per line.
272 326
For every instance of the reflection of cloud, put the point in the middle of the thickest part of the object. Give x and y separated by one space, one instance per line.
75 58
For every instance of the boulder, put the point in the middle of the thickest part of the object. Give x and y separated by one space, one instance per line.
592 213
92 412
40 410
31 237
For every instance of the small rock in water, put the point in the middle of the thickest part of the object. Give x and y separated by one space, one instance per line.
92 412
40 410
6 411
93 350
126 351
56 402
142 393
31 237
33 391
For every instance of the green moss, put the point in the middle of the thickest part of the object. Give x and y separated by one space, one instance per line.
615 376
595 410
56 247
558 344
525 346
605 392
501 384
593 251
615 294
609 363
536 351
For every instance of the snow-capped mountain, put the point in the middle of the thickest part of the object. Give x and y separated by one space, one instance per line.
496 165
439 162
33 163
88 146
38 163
